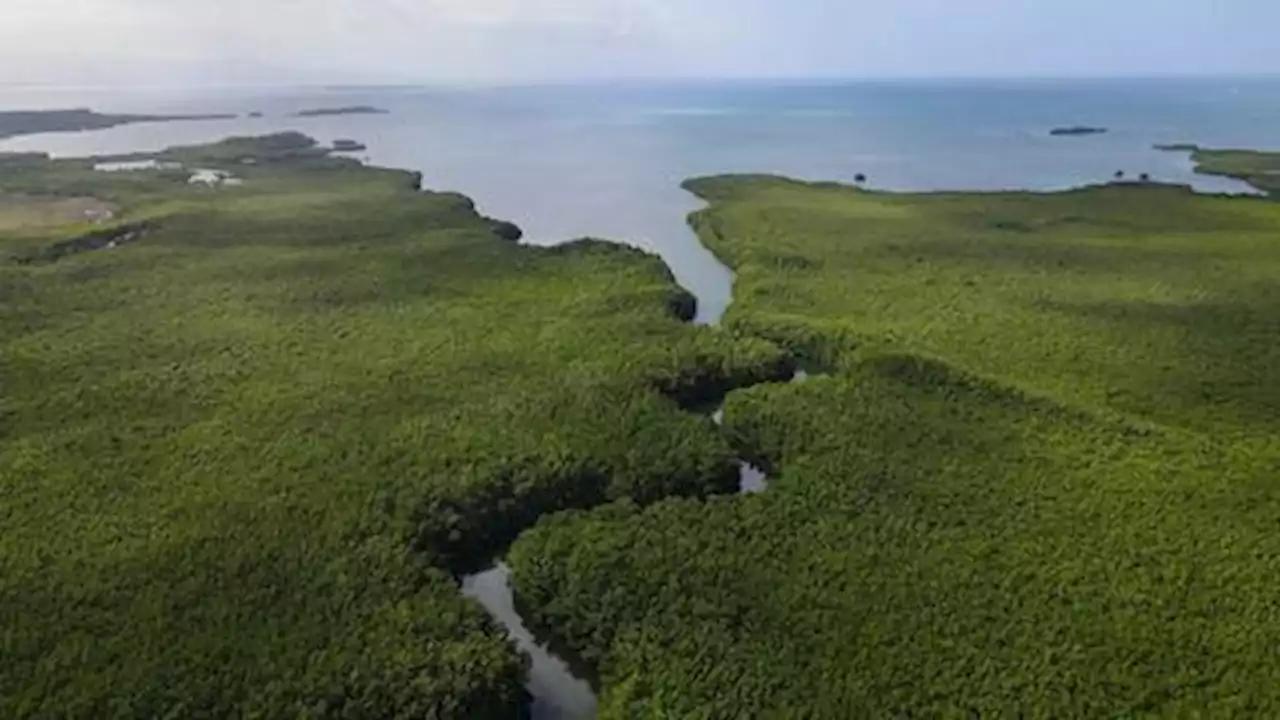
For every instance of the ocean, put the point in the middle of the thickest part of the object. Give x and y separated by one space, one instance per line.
566 162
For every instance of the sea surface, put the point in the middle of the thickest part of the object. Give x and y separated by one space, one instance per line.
606 161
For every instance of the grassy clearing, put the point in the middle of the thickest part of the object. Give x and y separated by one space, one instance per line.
22 212
1037 480
242 454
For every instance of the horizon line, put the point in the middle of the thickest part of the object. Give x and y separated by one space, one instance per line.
499 83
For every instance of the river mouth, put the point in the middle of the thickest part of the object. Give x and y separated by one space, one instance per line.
555 683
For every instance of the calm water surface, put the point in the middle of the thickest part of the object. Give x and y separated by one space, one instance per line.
557 693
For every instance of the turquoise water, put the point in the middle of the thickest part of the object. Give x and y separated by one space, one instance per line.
566 162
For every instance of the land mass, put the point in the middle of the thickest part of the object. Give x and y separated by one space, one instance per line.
352 110
27 122
1077 130
249 437
1034 477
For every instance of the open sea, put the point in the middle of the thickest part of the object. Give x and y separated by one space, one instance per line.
607 161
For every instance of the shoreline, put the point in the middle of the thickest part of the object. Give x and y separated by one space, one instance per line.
21 123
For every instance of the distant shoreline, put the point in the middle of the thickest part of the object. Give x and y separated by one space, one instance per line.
352 110
31 122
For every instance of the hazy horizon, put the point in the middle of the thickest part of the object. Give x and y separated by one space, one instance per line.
672 80
517 42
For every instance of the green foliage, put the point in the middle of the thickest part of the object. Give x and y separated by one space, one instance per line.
241 454
1037 479
1145 300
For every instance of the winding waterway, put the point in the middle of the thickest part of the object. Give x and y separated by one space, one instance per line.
558 692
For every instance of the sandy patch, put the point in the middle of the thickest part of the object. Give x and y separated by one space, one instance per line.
19 211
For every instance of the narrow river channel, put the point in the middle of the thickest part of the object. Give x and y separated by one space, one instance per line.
558 693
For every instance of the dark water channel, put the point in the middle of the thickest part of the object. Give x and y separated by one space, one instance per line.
558 692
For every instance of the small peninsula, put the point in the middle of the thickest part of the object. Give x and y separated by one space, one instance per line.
1077 130
351 110
345 145
29 122
1259 168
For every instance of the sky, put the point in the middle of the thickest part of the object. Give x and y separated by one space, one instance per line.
488 41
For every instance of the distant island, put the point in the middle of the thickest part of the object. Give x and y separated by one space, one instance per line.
27 122
352 110
348 146
1077 130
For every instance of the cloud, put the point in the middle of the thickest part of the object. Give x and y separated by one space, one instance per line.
477 40
341 39
602 14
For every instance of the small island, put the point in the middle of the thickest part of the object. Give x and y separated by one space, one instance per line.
345 145
1077 130
352 110
29 122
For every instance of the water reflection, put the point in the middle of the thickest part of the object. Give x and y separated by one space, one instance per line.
557 693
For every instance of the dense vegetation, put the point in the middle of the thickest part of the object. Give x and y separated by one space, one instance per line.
242 453
1036 480
25 122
